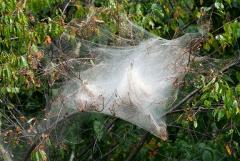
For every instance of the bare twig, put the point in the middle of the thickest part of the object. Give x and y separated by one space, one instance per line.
65 6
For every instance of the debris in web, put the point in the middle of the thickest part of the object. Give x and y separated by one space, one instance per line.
133 75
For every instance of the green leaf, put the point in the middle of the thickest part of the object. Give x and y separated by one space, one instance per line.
238 76
139 9
98 129
34 48
219 5
195 123
228 1
220 114
207 103
10 106
207 156
235 104
237 89
24 62
7 73
36 156
216 87
43 155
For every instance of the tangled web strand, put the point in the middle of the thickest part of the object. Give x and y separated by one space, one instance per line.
137 83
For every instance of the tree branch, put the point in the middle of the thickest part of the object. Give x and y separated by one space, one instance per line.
40 139
144 137
108 127
173 110
138 147
196 91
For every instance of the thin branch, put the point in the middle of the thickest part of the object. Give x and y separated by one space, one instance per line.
114 147
143 139
232 64
199 109
196 91
4 154
138 147
40 138
185 99
65 6
108 127
173 110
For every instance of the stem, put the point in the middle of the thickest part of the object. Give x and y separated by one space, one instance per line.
4 154
138 147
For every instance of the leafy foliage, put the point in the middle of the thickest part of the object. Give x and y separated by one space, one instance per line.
205 128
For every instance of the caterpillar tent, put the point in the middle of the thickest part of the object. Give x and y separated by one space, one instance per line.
134 75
